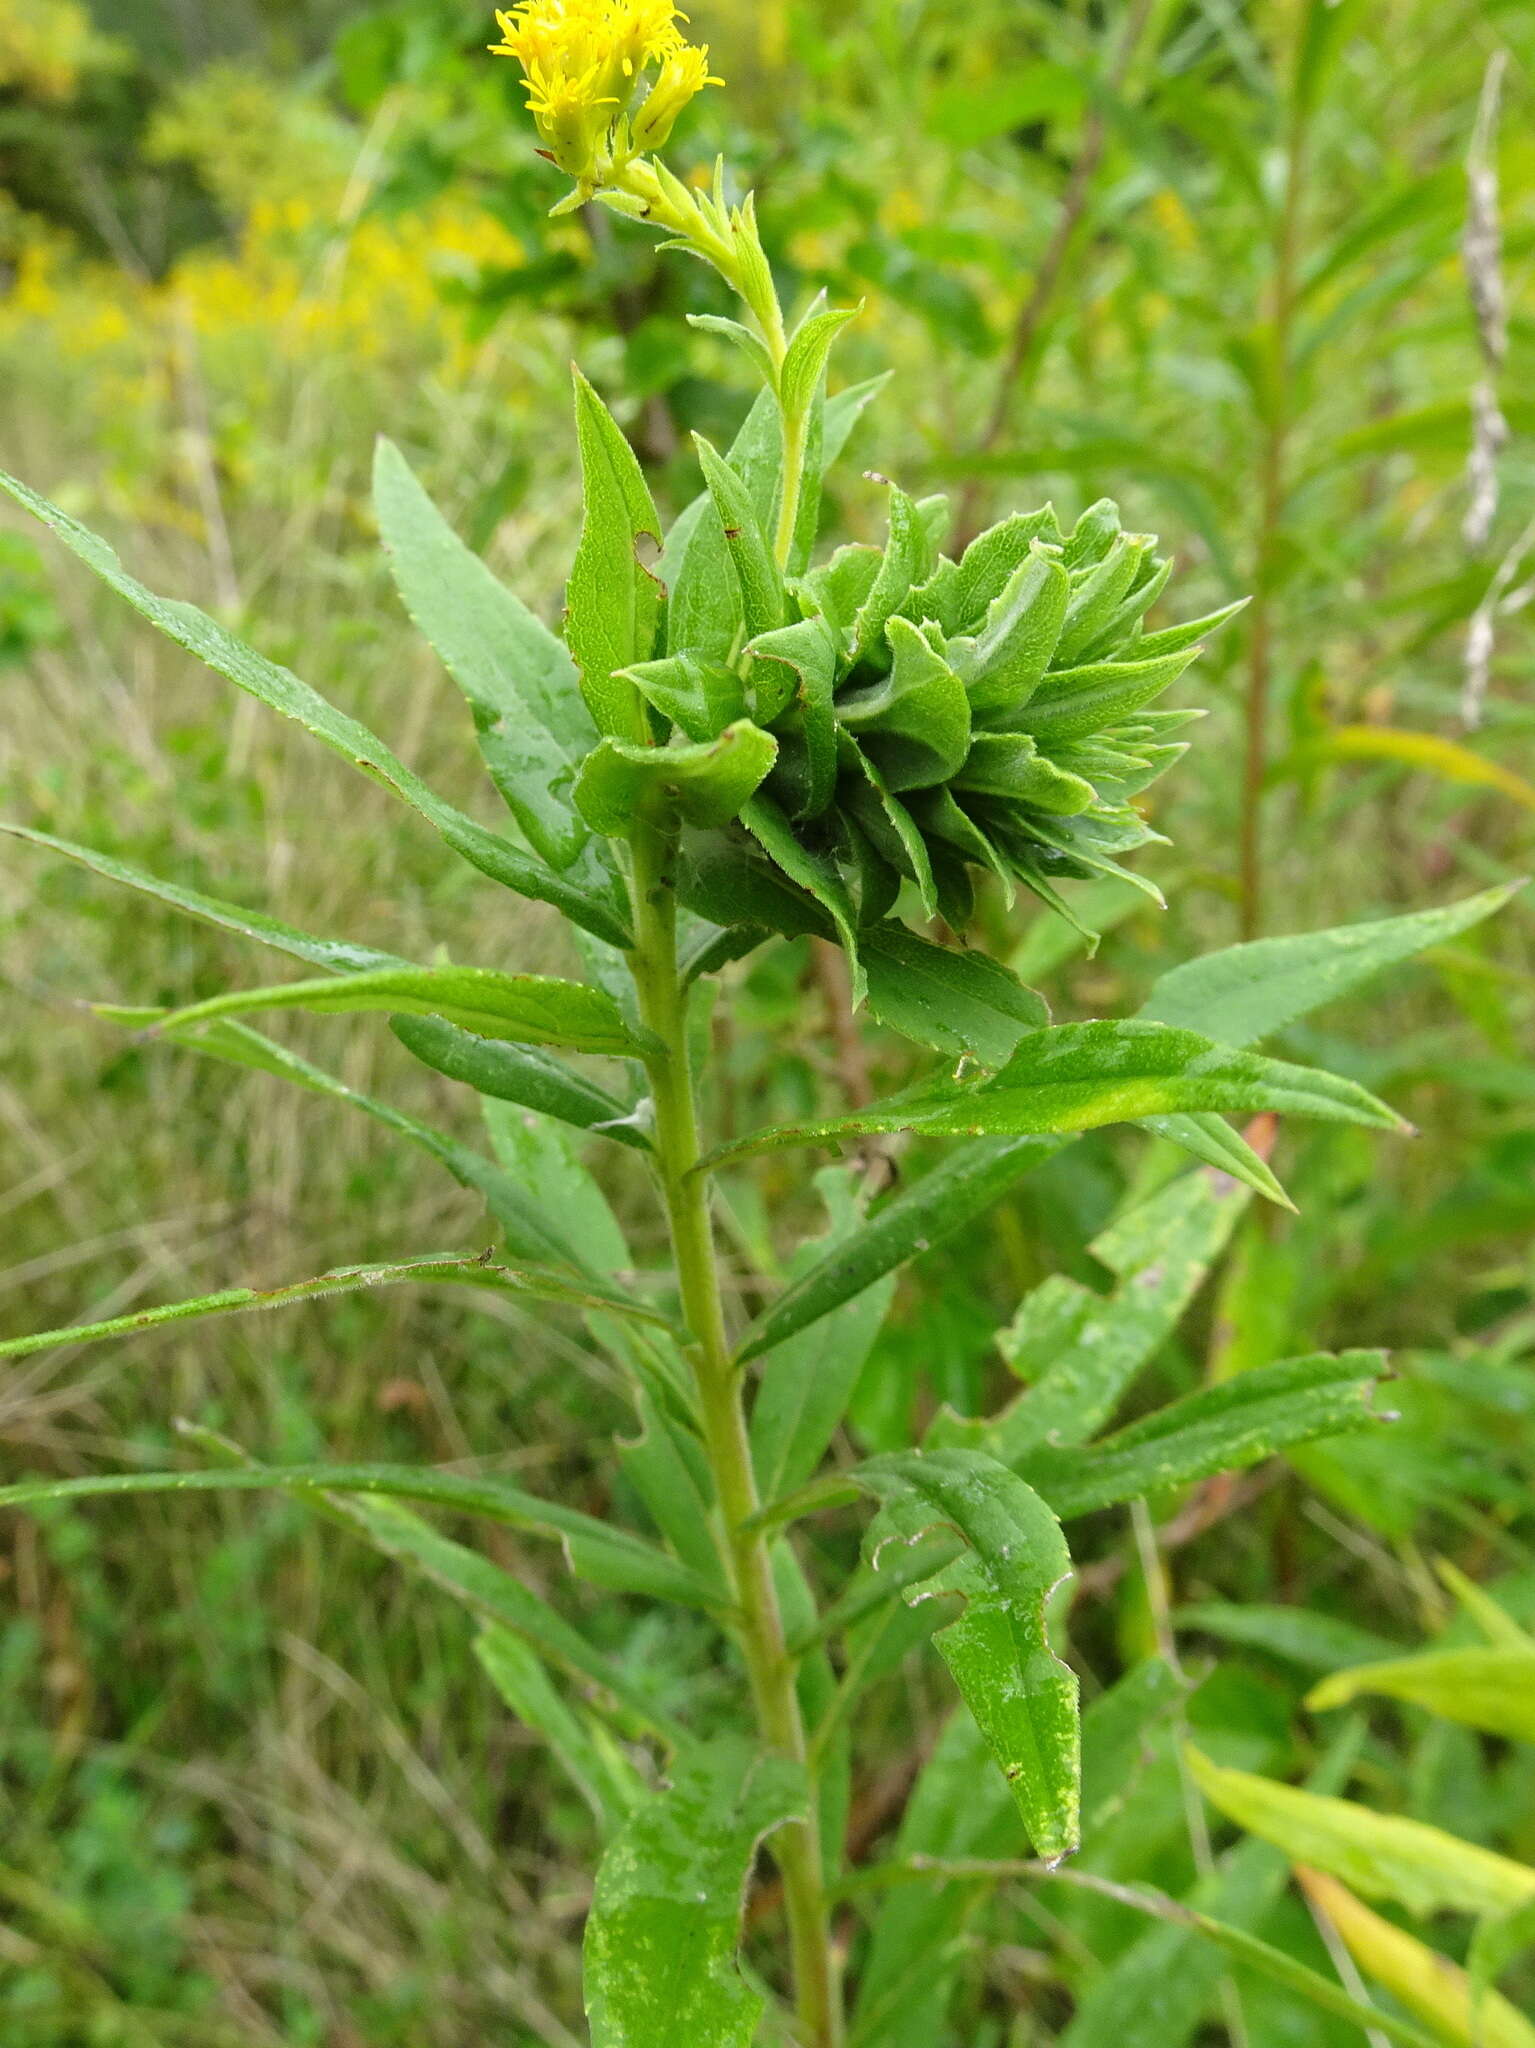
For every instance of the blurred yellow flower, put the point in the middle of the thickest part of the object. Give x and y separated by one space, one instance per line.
583 62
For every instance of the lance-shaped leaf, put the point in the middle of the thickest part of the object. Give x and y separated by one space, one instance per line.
511 1073
806 359
760 578
529 1233
1073 702
495 1595
463 1272
955 1000
531 1009
1426 1983
607 1555
1221 1429
1004 663
894 572
1382 1855
660 1950
817 877
1490 1689
613 603
600 912
338 956
519 679
1076 1077
704 782
1023 1697
927 1213
594 1763
1249 992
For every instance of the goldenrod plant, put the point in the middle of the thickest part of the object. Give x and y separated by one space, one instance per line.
742 737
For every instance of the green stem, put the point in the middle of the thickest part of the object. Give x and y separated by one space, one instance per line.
744 1549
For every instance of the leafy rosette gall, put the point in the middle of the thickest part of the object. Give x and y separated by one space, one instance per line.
917 719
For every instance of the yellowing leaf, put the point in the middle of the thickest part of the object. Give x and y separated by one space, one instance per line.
1489 1689
1428 1984
1380 1854
1426 750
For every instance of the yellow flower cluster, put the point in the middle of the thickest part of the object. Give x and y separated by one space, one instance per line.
584 61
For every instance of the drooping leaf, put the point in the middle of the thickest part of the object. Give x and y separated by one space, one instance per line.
465 1272
1490 1689
600 1551
953 999
595 1765
1249 992
613 603
1382 1855
601 912
1425 1983
532 1009
1076 1077
819 878
1023 1697
1221 1429
659 1954
520 1074
542 1156
923 1215
519 679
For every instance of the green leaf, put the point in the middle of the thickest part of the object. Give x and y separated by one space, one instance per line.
761 580
531 1008
495 1595
818 878
529 1234
613 603
1213 1141
595 1765
926 1214
1079 1351
953 999
466 1272
1315 1642
520 681
659 1953
1023 1697
808 1379
914 723
1493 1690
599 1551
1421 1980
511 1073
1248 992
751 345
340 956
1379 1854
1071 703
543 1158
793 673
704 782
1221 1429
805 362
898 568
1077 1077
605 913
697 693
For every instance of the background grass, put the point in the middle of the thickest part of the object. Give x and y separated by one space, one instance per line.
256 1788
